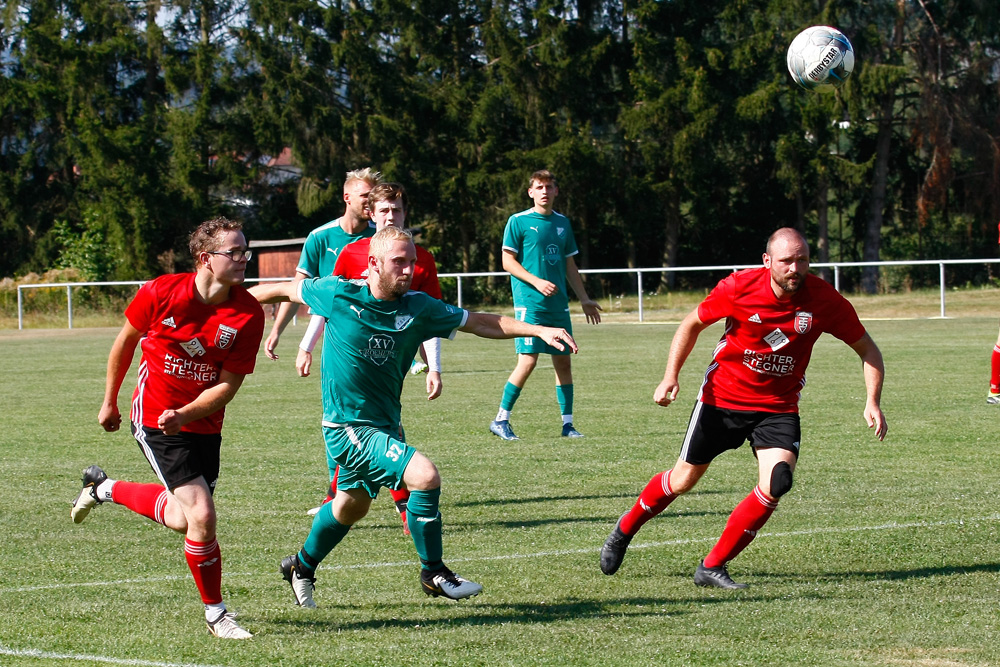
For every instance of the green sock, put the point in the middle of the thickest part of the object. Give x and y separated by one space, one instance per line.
326 533
425 527
510 394
564 394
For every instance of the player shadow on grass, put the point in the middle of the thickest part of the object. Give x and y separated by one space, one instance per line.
499 502
882 575
337 617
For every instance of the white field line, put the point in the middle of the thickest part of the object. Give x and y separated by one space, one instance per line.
48 655
535 554
32 653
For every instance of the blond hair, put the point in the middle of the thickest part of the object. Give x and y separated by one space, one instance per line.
380 243
368 175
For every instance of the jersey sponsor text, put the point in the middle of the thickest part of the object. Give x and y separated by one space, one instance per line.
769 364
189 369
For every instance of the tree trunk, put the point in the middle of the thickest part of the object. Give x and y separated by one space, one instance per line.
876 208
673 231
823 225
883 142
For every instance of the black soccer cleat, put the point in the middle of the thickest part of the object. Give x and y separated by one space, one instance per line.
715 577
303 584
613 551
447 584
87 499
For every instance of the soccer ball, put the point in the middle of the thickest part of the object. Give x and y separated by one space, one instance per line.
820 58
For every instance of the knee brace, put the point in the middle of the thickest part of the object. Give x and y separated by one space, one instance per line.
781 479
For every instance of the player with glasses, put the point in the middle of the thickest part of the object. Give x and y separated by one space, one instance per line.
237 255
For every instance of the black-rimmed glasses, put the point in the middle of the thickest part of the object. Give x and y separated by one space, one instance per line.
235 255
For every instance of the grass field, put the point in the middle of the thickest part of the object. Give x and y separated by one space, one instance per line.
882 554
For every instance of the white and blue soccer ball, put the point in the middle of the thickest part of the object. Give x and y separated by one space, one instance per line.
820 58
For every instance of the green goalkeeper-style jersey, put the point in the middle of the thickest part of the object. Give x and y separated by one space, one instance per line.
541 243
368 346
323 246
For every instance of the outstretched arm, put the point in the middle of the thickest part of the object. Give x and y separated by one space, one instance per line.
286 312
277 292
591 308
874 369
680 347
487 325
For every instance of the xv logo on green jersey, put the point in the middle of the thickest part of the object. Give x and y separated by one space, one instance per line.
381 348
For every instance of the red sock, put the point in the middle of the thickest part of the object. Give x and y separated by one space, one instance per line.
205 561
995 370
399 495
331 491
748 517
653 500
149 500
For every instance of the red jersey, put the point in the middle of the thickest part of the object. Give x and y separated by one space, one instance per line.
186 345
760 361
352 263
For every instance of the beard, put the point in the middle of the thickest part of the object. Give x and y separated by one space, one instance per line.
786 284
392 287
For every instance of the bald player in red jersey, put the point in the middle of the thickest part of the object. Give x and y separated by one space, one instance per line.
199 334
388 205
774 315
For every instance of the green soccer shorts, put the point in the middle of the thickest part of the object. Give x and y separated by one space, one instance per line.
369 458
537 345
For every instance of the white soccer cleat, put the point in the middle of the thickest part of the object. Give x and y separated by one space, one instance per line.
86 500
226 627
447 584
302 584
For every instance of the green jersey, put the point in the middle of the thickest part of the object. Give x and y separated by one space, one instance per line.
541 243
323 245
368 346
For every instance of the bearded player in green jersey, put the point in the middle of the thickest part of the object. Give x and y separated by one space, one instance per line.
374 328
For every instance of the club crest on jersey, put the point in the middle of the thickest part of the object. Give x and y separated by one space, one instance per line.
381 348
561 231
803 322
194 348
552 254
403 320
225 336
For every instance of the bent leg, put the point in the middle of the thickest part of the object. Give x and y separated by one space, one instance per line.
659 493
753 512
331 524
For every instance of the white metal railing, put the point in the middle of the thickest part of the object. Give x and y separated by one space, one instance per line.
836 266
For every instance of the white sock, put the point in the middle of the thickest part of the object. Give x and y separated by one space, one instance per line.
503 415
567 419
214 611
103 490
